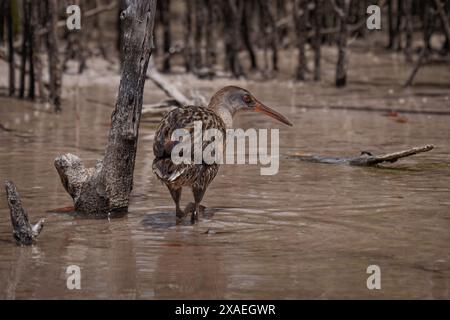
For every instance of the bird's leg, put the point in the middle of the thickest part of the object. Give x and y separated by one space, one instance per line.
190 208
176 196
198 196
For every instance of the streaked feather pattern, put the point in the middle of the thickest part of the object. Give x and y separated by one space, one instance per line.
196 175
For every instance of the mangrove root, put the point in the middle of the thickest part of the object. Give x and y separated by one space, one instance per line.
23 231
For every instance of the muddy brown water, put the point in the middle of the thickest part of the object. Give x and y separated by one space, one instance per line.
310 231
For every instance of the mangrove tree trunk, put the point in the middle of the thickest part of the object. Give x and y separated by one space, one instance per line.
106 188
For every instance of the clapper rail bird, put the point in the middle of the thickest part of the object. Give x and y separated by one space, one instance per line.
218 115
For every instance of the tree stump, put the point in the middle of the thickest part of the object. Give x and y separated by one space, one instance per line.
105 189
23 231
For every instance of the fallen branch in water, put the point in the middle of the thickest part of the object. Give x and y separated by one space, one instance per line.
159 108
365 159
177 98
169 89
23 231
386 110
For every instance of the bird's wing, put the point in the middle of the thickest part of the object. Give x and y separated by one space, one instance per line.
183 118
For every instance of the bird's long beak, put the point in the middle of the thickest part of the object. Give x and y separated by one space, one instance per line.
271 113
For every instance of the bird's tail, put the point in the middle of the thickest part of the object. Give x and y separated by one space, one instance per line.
166 170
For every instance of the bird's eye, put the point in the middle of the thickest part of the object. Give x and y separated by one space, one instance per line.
247 98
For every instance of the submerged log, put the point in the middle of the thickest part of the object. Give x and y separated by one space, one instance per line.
23 231
105 189
365 159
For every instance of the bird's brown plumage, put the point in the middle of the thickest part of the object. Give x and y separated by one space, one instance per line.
180 175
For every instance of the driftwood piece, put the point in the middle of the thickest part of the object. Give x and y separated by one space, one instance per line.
170 90
366 159
105 189
23 231
159 108
176 97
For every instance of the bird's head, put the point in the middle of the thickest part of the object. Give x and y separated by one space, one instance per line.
233 99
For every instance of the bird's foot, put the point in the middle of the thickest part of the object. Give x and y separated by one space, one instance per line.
180 213
190 208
